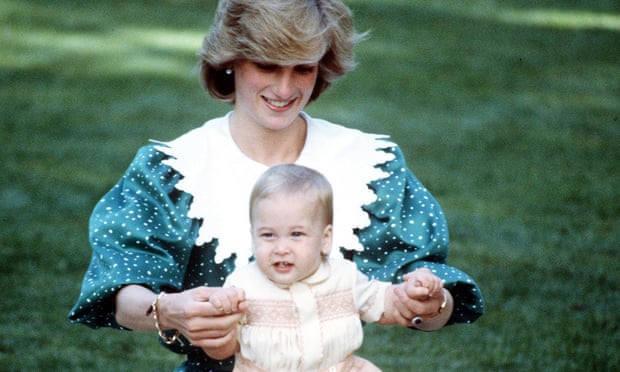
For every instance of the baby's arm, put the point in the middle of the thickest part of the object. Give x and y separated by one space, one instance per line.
227 300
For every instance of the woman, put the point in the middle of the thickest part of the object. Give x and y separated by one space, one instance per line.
172 223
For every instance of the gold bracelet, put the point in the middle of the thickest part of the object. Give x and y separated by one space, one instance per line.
153 309
444 302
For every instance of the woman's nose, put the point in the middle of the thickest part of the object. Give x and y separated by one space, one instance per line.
284 85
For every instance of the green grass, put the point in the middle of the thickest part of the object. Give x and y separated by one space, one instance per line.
508 111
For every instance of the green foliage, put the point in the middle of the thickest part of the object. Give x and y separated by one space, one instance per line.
507 111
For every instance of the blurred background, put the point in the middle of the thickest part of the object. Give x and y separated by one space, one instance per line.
508 111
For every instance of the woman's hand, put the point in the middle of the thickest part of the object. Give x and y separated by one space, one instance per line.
204 325
430 306
189 312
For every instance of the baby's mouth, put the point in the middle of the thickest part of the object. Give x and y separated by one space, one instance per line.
282 265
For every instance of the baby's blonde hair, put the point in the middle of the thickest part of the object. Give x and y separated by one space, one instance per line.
292 179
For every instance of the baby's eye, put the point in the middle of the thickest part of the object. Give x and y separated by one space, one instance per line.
297 234
266 235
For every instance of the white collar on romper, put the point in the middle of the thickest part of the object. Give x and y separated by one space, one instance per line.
220 178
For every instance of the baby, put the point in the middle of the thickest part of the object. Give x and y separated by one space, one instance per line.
304 308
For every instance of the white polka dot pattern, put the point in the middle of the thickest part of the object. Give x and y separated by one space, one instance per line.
140 234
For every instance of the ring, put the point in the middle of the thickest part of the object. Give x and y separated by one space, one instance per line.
416 320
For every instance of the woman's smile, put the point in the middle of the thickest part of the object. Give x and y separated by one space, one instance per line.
279 105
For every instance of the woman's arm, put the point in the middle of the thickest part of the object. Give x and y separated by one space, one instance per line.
408 231
139 234
132 303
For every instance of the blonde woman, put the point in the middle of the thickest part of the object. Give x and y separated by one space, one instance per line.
166 236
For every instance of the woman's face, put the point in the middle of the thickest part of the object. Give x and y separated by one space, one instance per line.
271 96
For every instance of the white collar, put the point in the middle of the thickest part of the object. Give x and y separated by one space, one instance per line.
206 155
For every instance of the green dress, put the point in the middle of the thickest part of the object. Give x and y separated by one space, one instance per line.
178 219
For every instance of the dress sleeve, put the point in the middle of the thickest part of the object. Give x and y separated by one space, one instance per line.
140 234
407 231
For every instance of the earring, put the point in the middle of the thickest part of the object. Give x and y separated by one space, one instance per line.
228 71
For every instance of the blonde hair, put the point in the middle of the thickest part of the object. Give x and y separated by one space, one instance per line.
292 179
282 32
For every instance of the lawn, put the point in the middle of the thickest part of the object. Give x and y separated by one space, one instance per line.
508 111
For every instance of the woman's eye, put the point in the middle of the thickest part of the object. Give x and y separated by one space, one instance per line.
266 66
305 69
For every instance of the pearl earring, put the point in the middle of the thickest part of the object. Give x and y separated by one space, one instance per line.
229 71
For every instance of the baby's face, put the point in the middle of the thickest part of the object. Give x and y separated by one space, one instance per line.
289 237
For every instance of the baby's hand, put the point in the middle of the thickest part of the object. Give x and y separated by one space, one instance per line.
422 284
227 300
